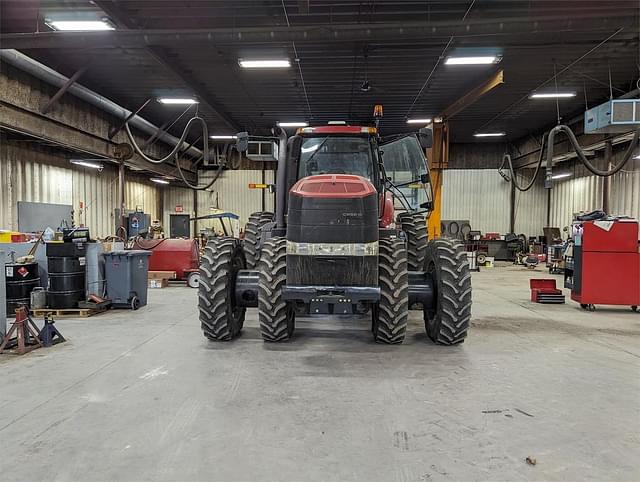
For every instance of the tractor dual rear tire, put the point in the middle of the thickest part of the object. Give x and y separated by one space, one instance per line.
220 318
447 322
391 313
276 315
252 234
415 228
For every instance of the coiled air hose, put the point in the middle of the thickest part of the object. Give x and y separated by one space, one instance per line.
176 150
549 140
581 155
507 158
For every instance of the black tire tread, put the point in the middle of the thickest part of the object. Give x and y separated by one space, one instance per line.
448 323
392 312
415 227
252 233
218 319
275 315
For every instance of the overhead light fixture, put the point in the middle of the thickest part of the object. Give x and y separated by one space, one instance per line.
86 163
483 60
177 100
80 25
223 137
418 121
552 95
293 124
489 134
159 180
561 175
264 64
637 157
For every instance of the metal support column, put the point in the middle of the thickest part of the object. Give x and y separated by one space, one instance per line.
121 201
3 297
438 157
606 187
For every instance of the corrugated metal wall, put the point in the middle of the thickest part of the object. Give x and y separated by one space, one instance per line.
482 197
176 196
40 176
531 207
142 196
585 194
231 192
625 193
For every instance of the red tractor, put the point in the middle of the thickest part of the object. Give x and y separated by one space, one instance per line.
348 237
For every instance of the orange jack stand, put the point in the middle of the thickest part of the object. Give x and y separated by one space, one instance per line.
27 335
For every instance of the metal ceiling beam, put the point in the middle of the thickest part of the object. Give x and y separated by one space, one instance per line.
162 58
397 31
473 95
61 91
40 127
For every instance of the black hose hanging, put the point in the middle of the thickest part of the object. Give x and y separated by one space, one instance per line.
176 150
507 158
198 188
580 153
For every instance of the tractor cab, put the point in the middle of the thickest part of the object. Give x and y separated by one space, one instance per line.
395 166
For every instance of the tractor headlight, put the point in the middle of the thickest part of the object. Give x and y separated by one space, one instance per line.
332 249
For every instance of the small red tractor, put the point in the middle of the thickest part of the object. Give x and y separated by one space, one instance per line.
348 238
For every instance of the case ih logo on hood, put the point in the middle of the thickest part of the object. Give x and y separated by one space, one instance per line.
22 271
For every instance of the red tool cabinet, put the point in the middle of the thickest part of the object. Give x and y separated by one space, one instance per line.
606 265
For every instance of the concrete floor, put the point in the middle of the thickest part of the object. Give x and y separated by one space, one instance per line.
143 396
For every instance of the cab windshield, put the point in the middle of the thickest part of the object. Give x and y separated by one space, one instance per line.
337 155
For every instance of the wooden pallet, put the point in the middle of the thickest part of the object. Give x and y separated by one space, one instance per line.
68 312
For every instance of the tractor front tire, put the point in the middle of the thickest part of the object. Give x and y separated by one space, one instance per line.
220 318
276 315
415 228
391 313
252 234
447 321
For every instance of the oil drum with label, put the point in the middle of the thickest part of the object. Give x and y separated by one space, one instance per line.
21 279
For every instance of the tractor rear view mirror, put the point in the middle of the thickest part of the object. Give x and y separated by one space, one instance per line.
242 141
425 136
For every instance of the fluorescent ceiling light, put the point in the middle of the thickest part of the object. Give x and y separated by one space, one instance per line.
223 137
80 162
489 134
561 175
553 95
418 121
637 157
293 124
159 180
492 59
264 64
79 25
177 100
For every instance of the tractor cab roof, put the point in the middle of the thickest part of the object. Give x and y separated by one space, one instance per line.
337 130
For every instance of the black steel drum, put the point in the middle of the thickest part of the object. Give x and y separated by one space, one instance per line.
67 281
21 279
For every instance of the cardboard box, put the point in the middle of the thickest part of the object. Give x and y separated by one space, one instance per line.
162 275
158 283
